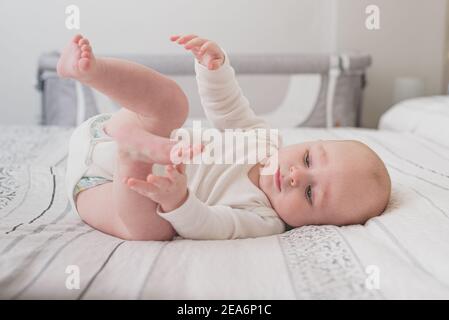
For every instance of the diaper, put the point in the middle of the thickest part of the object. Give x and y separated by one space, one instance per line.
101 155
92 157
88 182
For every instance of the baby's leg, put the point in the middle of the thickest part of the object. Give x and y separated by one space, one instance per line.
150 95
115 209
155 105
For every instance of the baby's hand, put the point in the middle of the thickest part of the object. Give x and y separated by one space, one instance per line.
170 191
207 52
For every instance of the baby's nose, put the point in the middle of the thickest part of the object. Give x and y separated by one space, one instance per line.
294 176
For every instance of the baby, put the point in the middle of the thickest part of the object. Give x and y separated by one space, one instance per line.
114 177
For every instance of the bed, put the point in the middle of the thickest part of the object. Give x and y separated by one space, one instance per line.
403 254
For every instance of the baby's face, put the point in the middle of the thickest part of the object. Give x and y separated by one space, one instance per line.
327 182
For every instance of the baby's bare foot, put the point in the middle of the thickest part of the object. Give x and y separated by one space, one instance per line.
77 60
140 145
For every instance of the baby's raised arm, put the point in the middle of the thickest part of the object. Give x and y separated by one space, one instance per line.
207 52
222 99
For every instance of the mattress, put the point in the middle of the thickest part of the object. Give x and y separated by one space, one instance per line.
47 252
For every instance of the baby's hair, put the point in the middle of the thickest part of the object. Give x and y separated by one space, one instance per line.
380 175
288 227
381 178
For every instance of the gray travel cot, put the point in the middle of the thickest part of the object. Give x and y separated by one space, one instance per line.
324 90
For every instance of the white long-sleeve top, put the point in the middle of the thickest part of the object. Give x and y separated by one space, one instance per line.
222 202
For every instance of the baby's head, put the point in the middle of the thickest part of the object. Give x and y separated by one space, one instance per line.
337 182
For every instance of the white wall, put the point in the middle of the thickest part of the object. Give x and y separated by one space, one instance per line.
28 28
410 42
445 84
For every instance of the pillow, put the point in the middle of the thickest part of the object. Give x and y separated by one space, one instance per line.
427 117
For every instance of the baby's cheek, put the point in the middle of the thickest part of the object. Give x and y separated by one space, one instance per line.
291 203
294 202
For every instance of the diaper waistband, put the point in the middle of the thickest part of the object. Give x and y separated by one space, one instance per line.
97 134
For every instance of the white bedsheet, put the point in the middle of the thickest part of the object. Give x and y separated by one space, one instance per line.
402 254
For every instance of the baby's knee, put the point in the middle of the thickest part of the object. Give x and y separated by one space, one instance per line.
180 103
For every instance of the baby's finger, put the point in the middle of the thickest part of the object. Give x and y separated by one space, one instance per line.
195 43
196 54
197 149
187 38
175 171
174 37
211 47
181 168
171 172
142 187
158 181
181 152
214 64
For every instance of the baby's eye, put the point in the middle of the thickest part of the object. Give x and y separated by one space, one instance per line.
306 159
309 194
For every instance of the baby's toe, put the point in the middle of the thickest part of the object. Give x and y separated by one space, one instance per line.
77 38
86 47
83 41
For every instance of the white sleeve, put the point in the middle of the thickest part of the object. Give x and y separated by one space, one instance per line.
222 99
198 221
